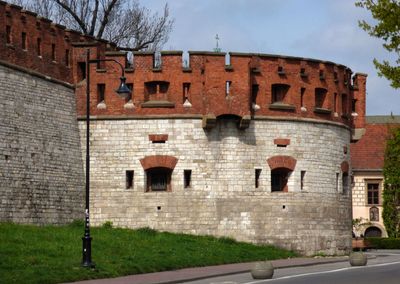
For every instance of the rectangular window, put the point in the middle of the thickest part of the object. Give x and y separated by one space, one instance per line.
129 97
353 105
186 88
129 179
320 96
302 92
23 40
39 46
345 183
67 57
158 179
344 104
279 179
373 193
335 102
187 178
257 177
81 71
101 89
53 52
8 34
302 176
279 92
337 181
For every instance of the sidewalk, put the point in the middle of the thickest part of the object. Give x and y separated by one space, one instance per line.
190 274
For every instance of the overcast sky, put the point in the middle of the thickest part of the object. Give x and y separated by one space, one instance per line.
320 29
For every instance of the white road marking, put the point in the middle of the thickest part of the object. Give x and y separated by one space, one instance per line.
322 272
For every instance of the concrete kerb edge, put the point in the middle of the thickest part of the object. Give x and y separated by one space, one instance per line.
326 261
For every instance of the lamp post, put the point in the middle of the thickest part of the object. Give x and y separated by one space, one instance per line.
124 92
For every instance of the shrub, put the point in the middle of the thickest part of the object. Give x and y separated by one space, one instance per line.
384 243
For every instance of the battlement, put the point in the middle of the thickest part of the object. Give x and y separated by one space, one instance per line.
244 85
36 43
202 83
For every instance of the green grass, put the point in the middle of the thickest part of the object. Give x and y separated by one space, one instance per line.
50 254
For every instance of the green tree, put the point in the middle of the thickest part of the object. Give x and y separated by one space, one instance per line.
391 193
387 27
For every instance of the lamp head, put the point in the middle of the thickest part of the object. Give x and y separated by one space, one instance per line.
123 90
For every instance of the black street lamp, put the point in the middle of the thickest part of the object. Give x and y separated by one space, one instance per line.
124 92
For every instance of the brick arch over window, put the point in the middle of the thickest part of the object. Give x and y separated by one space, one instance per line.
286 162
158 161
344 167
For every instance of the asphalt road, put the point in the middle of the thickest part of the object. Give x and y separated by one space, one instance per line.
383 267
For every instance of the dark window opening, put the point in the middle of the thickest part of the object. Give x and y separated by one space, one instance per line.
302 92
281 71
335 77
53 52
129 179
279 92
129 97
23 40
156 90
159 179
39 46
8 34
67 57
81 71
373 193
353 105
101 90
279 179
344 104
302 176
335 102
321 75
254 93
257 177
187 178
186 89
320 97
345 182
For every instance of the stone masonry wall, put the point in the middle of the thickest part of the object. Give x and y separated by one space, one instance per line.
41 176
222 199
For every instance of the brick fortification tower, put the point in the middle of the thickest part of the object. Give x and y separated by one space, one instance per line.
257 149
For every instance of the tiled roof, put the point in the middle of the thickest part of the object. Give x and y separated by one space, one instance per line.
368 153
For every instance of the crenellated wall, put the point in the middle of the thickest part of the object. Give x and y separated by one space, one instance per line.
259 85
36 43
251 146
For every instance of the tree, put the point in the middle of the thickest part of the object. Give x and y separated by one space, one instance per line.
391 193
387 27
126 23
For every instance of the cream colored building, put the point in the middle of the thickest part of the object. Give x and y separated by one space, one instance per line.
367 163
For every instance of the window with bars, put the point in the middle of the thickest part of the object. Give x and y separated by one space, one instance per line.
158 179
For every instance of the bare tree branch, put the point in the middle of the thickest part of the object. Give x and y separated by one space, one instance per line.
126 23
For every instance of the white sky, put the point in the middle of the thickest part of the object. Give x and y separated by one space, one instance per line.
320 29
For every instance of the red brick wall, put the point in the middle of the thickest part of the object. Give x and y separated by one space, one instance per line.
207 75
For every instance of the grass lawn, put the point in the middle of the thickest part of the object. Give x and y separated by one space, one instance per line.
50 254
